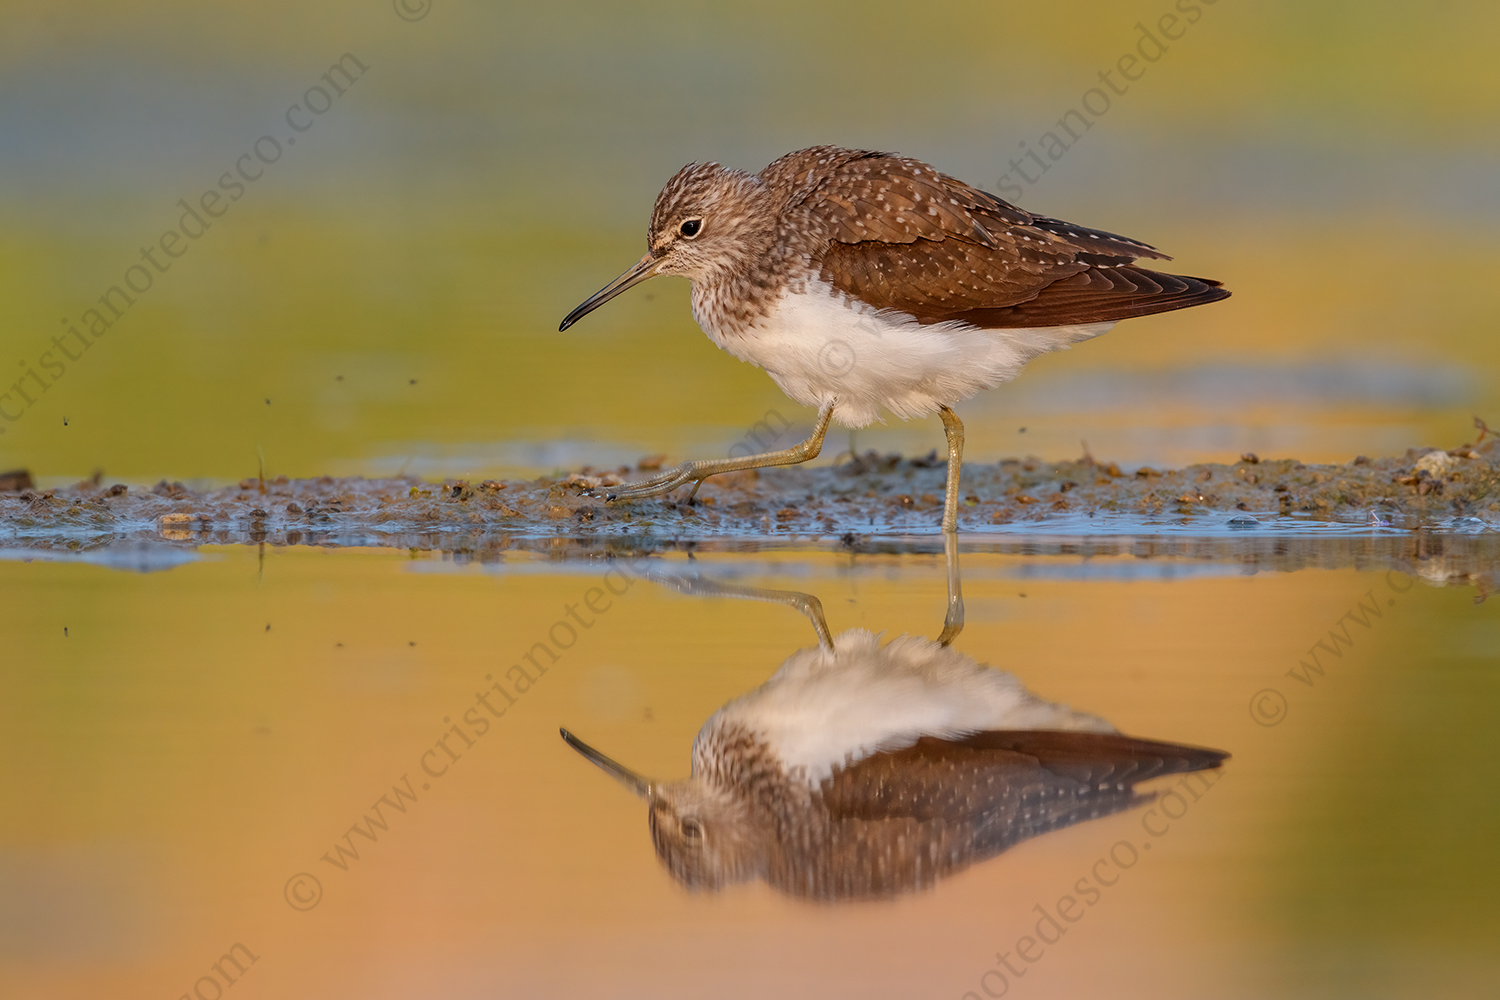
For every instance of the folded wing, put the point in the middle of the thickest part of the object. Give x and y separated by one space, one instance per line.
903 236
899 821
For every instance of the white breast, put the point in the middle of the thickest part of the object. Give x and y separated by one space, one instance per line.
825 708
821 345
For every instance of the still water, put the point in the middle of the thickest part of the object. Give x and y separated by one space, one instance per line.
312 772
320 768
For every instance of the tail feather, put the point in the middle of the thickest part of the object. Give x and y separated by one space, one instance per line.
1101 295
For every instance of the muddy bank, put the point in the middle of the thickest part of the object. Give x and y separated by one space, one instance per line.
1388 511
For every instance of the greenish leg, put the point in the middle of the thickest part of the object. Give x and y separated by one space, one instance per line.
955 430
953 622
696 472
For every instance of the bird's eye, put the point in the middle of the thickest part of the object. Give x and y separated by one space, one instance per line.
692 829
690 227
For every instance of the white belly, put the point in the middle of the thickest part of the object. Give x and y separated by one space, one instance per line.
825 708
823 347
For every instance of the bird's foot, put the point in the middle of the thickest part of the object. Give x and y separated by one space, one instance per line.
696 472
658 485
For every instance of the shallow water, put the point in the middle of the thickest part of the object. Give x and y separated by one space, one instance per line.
198 711
188 747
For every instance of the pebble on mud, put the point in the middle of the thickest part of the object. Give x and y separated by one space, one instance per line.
867 494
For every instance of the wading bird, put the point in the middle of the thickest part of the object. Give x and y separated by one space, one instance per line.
863 281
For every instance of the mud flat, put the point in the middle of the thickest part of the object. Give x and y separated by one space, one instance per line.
1429 511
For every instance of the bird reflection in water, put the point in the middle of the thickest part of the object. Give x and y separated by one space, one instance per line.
863 771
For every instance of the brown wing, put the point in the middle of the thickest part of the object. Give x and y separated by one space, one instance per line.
1098 760
950 779
1100 295
895 822
901 235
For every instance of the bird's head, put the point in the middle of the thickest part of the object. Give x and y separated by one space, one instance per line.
706 836
708 221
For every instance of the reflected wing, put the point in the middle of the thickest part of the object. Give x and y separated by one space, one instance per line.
904 236
1097 760
899 821
967 779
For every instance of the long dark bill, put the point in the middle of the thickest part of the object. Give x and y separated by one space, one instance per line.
643 269
624 775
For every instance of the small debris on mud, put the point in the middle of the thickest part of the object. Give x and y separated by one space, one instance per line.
1453 493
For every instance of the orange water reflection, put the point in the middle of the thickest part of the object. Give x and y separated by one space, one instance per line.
202 736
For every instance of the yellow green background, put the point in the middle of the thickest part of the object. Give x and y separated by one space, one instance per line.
1333 163
180 743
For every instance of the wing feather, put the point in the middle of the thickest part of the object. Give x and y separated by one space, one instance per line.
958 779
899 821
900 235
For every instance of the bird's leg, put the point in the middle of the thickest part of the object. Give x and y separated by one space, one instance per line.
953 622
955 430
697 586
696 472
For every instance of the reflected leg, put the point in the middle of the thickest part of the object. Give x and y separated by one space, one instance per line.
953 622
808 604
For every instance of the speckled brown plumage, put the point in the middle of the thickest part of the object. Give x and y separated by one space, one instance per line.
897 822
865 283
897 234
